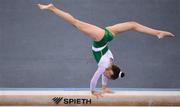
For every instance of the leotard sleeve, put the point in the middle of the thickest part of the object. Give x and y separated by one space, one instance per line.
96 76
104 80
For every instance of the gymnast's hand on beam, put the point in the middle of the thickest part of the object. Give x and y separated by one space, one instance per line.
105 89
97 94
163 34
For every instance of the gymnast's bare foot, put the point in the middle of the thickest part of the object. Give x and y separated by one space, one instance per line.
163 34
45 7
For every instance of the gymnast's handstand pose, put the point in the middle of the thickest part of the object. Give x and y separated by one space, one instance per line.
101 37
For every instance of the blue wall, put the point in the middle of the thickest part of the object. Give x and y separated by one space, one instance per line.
39 50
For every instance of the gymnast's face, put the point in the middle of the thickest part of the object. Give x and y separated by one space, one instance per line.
108 73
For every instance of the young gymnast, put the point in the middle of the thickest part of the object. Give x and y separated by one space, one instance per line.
100 50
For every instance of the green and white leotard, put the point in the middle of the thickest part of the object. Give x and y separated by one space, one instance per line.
100 48
102 56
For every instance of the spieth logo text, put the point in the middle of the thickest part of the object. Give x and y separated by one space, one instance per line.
58 100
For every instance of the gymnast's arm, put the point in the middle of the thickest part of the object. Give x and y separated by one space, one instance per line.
94 80
105 88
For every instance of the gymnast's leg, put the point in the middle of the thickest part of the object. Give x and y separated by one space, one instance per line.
122 27
90 30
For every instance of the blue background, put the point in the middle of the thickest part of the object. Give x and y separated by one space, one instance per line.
39 50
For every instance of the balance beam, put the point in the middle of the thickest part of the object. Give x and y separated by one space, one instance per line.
84 98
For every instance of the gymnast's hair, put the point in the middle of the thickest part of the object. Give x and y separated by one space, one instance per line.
116 70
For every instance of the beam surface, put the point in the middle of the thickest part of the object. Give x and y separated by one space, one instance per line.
83 97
